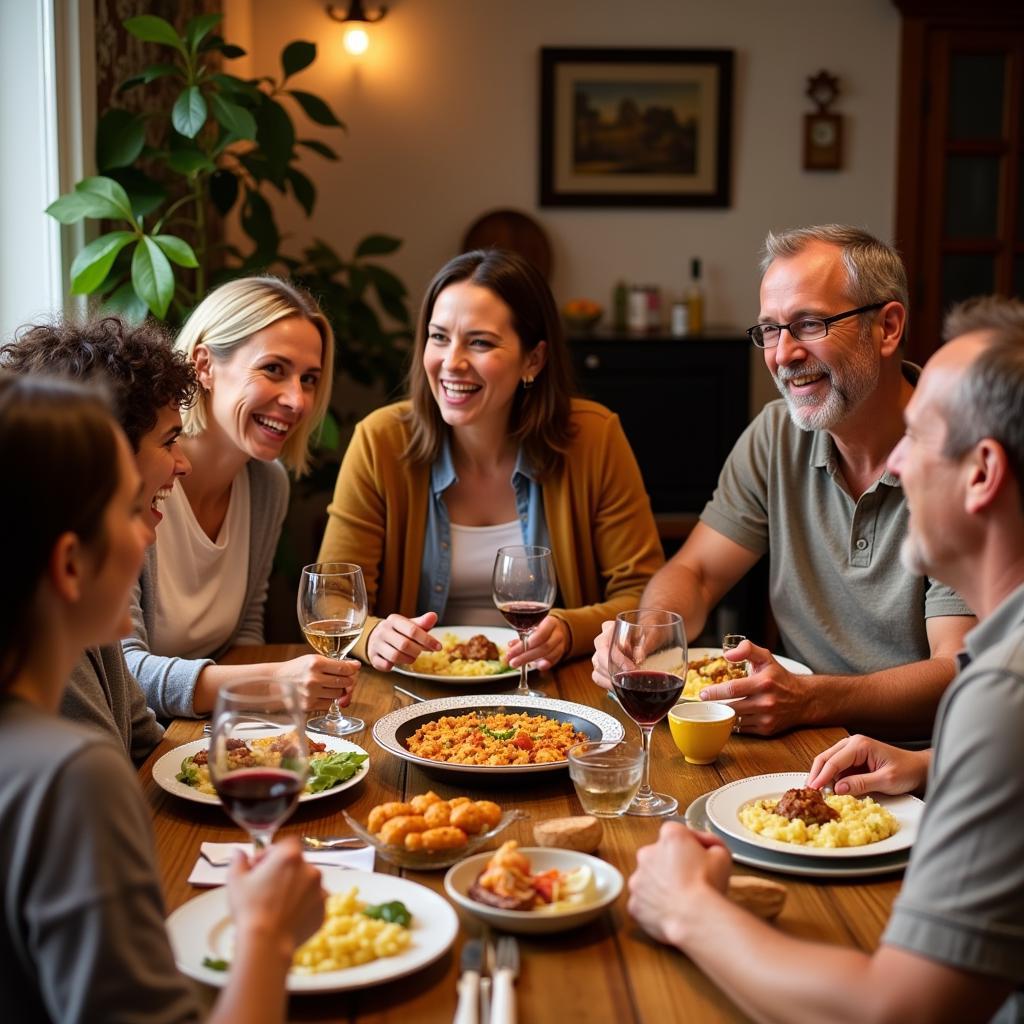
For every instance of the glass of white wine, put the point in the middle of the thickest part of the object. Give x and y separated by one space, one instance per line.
332 611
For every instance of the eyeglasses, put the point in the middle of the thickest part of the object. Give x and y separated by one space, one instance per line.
806 328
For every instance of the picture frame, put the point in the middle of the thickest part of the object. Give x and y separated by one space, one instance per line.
635 127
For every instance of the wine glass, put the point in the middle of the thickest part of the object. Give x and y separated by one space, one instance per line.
332 611
523 588
647 666
258 785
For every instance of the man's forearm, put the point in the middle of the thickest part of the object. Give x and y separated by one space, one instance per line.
677 588
896 703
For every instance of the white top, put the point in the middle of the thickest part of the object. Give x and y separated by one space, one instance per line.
200 586
469 590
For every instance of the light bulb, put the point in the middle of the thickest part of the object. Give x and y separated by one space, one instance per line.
356 41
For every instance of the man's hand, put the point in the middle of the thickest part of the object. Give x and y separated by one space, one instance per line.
400 641
774 698
547 645
859 765
668 872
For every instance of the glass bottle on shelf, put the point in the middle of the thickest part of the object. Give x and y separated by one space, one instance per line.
620 307
695 299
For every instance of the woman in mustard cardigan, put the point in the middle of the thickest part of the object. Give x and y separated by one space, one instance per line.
489 450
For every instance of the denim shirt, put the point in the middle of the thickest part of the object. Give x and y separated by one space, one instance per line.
435 572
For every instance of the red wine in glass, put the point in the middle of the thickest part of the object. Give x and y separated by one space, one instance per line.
647 696
259 799
524 616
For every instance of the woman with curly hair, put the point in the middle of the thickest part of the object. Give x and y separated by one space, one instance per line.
148 385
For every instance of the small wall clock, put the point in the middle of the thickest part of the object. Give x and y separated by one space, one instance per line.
823 131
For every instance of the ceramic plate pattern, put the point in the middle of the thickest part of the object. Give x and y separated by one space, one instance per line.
724 804
390 730
202 928
500 635
168 766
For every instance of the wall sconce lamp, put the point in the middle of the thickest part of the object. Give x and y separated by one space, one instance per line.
356 40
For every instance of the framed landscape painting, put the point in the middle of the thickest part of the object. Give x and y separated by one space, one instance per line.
636 127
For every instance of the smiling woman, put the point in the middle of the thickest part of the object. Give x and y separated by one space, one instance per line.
263 354
490 449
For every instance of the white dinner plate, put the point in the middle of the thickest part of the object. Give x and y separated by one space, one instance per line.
391 731
785 864
724 805
168 766
202 928
500 635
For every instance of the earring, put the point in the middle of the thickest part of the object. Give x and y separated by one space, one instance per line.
527 382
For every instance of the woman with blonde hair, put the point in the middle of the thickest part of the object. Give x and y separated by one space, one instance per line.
491 449
264 357
82 936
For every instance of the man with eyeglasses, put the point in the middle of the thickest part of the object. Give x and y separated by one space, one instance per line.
807 483
953 948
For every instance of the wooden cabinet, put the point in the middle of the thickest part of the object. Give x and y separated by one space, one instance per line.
682 402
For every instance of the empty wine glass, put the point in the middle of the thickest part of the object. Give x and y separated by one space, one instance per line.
647 666
332 612
523 587
259 790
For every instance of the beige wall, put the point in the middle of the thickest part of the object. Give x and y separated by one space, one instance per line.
442 117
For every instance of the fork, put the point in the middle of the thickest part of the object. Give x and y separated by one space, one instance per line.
506 970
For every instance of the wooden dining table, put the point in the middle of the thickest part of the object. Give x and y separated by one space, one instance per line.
606 971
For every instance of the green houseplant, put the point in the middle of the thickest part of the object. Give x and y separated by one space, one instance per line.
214 140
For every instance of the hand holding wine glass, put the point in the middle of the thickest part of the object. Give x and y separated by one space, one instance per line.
259 797
647 666
523 586
332 610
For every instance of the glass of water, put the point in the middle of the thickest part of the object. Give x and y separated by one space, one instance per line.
731 640
606 775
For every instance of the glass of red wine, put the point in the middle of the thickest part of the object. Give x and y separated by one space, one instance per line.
647 666
523 587
258 755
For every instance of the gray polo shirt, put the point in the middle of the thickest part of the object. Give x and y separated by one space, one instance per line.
962 901
842 600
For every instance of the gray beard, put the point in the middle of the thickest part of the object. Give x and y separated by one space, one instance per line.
858 379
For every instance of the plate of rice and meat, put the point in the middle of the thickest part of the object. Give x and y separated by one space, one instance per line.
706 666
492 734
469 656
777 812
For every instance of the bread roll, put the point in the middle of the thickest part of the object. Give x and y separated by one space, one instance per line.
758 895
582 833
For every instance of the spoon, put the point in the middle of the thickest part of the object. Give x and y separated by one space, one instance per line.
337 843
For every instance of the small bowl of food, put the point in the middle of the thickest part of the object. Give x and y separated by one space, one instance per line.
581 314
533 890
427 833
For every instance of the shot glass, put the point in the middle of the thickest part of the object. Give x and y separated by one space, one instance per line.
732 640
606 775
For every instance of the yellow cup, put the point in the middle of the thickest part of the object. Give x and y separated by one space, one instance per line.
700 730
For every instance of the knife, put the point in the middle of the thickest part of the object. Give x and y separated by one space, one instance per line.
469 983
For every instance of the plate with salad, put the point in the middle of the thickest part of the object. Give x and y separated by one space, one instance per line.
334 765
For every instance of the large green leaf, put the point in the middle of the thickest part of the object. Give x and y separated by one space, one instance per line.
296 56
234 118
318 147
258 224
144 193
73 207
152 276
276 137
236 87
120 136
188 115
125 303
314 108
177 250
151 29
91 266
377 245
384 281
112 194
198 26
229 50
303 189
188 161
